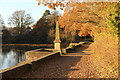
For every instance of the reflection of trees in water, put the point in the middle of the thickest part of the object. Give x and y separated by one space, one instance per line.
19 51
5 50
8 60
10 56
1 59
20 54
14 54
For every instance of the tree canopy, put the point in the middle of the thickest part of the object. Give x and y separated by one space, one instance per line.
20 20
79 17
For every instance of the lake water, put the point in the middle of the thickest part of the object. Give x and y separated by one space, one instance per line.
12 55
10 58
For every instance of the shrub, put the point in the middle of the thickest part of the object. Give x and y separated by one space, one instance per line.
72 46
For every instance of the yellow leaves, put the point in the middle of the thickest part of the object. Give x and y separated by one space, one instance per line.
45 4
60 4
91 34
49 6
38 3
51 0
66 4
54 8
79 13
54 4
46 1
34 26
82 33
61 8
63 5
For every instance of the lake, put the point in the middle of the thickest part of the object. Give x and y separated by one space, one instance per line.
11 55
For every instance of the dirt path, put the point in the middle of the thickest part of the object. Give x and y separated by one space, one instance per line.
73 65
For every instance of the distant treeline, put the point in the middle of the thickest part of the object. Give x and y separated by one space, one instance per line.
43 32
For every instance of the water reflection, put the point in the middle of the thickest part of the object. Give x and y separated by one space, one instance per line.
12 55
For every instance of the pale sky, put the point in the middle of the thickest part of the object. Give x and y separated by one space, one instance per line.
7 7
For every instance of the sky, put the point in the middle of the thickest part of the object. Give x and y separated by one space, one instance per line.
7 7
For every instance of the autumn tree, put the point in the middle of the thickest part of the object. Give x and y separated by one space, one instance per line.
98 19
55 15
40 32
52 24
106 37
21 20
45 20
46 14
52 4
78 20
44 29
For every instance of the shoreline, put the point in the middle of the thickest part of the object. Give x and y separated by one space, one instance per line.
27 44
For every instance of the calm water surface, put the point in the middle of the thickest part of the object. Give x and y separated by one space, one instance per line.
12 55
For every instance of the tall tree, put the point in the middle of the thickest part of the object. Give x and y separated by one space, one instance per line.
55 15
78 20
21 20
40 32
46 14
52 24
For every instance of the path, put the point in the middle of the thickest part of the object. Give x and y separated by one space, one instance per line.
73 65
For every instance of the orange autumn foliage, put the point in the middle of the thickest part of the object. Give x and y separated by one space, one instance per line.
34 26
53 4
79 17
